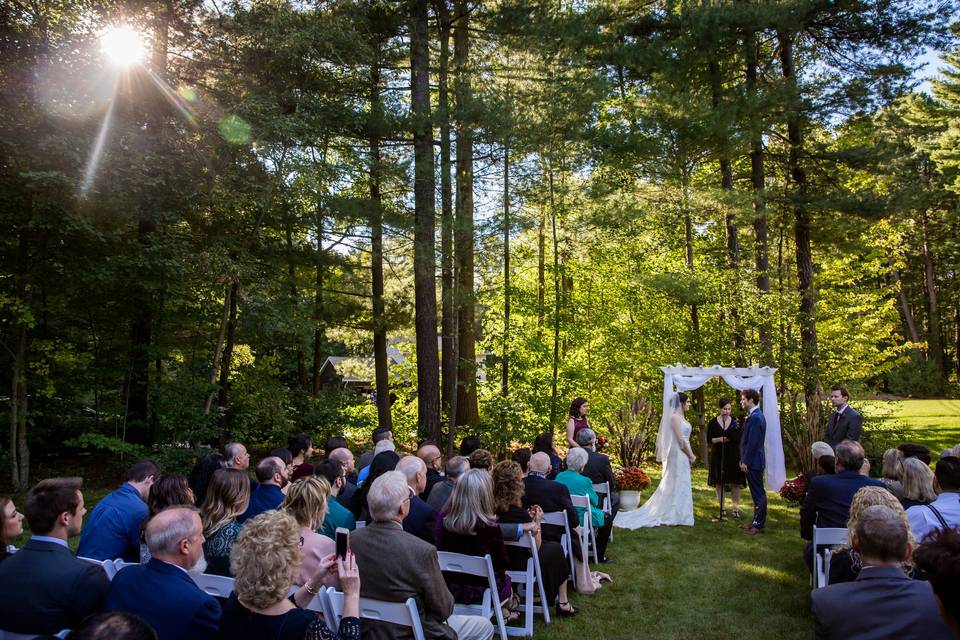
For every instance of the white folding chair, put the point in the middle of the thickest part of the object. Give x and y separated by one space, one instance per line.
482 567
559 519
603 489
587 535
216 586
108 566
526 580
821 562
403 613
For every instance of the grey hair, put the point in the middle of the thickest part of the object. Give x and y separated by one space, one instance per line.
917 481
230 451
457 466
881 534
384 445
471 503
586 437
387 494
164 540
820 448
410 466
892 464
577 458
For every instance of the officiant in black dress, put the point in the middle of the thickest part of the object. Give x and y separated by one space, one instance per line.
723 434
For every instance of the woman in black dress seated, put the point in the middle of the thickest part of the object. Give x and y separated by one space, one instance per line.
468 525
265 562
507 497
723 434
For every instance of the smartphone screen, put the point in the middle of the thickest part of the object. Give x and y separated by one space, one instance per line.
343 538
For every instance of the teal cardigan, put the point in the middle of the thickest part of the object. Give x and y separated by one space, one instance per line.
580 485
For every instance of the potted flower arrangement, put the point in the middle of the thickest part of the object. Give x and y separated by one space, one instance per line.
792 490
632 480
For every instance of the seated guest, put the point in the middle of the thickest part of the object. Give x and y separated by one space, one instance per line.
468 525
456 466
273 476
882 602
891 473
939 558
914 450
828 501
379 434
201 473
481 459
944 512
431 457
286 456
470 444
580 485
43 587
170 490
345 457
333 443
508 501
301 447
259 607
337 515
113 625
953 452
598 467
227 498
550 496
421 519
916 483
113 528
11 526
162 591
397 565
522 456
382 447
543 443
307 502
826 466
845 563
236 456
381 463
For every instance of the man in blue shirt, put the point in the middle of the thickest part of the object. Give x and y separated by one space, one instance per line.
273 475
113 529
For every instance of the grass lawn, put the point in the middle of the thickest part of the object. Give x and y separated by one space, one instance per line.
934 423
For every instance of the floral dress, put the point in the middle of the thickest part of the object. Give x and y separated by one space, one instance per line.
217 548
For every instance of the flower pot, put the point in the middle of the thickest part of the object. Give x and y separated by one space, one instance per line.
629 500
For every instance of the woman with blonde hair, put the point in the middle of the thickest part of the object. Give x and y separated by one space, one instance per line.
306 501
227 497
845 563
265 562
917 482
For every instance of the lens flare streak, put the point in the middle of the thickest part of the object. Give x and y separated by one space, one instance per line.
94 161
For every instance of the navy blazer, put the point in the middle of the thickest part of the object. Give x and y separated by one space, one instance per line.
751 443
265 497
44 589
167 598
882 603
421 520
828 500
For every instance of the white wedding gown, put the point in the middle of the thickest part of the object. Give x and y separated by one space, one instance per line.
672 502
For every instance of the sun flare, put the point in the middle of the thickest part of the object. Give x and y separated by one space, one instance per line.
123 46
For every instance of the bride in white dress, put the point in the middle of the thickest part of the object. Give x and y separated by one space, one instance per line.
672 502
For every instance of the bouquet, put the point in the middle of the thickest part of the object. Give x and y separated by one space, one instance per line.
792 490
632 479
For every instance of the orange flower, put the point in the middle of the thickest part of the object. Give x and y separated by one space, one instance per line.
633 479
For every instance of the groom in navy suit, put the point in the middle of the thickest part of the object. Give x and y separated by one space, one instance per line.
752 461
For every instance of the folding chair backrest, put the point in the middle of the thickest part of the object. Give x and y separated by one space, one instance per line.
559 519
581 502
482 567
829 536
527 541
216 586
402 613
603 489
586 526
821 562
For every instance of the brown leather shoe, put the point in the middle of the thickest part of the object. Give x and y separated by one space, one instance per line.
752 531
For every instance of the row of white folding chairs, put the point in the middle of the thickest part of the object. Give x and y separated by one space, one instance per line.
329 602
821 559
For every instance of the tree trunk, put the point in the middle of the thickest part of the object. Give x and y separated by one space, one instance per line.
807 312
424 261
556 302
934 343
294 301
223 400
448 364
218 350
381 368
698 398
19 451
905 310
318 308
504 365
541 269
758 183
467 410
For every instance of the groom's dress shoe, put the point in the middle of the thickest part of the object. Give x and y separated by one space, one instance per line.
751 530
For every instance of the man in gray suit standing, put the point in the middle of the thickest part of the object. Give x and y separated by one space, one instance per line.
845 422
882 602
397 565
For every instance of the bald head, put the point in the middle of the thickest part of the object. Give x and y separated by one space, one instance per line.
175 535
539 462
415 471
345 457
431 456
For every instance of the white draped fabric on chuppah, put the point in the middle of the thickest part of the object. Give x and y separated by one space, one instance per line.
681 378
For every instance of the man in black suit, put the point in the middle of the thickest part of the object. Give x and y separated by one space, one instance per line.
828 499
431 457
44 588
882 602
550 496
845 423
421 519
598 467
